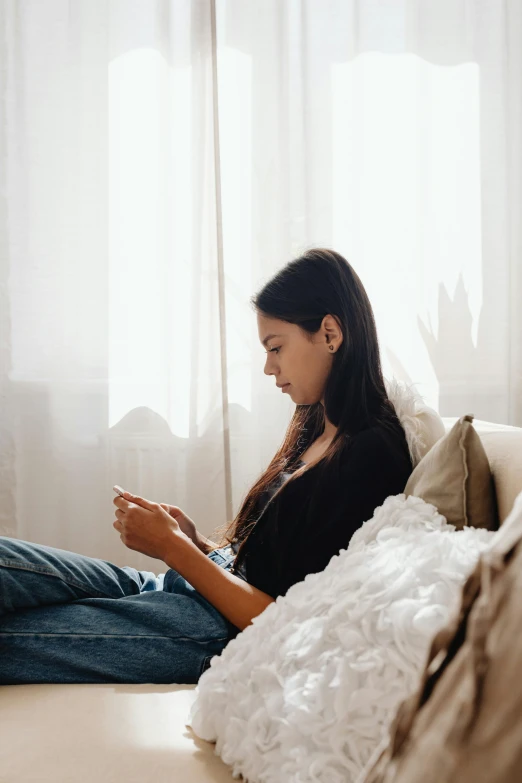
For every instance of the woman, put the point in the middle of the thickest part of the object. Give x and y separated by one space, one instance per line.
344 452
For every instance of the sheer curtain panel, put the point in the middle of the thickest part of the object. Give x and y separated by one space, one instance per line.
160 159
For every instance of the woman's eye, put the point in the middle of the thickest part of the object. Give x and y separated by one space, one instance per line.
274 349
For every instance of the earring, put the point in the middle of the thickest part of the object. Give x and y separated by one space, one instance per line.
331 347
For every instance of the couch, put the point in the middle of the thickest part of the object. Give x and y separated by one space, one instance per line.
131 733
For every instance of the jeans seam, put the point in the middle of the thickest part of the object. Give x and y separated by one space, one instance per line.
117 636
45 571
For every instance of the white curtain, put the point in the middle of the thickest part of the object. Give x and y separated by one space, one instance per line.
161 159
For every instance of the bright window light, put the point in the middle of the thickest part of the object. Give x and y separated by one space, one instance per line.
406 187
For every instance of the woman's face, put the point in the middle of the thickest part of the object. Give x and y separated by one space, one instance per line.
300 361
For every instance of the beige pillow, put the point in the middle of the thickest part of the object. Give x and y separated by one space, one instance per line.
456 478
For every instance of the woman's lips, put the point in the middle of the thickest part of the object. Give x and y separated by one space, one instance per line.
283 388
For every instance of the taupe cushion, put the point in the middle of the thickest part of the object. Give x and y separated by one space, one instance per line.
455 477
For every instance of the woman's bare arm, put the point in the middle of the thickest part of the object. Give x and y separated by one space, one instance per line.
237 600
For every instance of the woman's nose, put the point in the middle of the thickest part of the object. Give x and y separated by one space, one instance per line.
268 368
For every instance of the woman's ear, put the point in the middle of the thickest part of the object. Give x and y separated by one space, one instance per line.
332 331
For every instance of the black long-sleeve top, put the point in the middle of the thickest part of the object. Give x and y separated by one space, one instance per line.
316 514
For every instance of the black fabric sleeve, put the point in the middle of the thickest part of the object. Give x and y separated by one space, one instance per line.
376 466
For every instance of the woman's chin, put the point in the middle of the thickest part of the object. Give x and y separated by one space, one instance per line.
297 398
304 399
301 398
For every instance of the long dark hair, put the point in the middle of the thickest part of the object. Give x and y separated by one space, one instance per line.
316 284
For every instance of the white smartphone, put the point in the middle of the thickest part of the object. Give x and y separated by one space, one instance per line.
118 490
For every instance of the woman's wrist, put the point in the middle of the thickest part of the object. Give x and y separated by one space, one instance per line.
203 543
177 548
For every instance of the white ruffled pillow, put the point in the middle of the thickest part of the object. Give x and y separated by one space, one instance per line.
308 691
422 425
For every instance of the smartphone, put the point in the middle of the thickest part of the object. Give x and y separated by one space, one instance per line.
118 490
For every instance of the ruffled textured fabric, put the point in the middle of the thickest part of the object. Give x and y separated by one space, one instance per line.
307 692
421 424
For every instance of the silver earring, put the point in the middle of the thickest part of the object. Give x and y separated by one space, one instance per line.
331 347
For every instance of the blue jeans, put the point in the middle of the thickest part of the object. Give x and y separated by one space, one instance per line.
68 618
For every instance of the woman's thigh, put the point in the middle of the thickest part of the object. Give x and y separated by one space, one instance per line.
161 636
35 575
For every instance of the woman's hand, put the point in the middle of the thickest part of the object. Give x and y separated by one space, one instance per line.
189 528
185 523
148 527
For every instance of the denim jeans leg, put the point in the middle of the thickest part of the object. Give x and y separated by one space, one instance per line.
157 636
33 575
